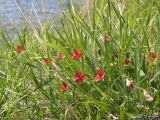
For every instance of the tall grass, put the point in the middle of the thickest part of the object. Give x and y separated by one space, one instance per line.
107 33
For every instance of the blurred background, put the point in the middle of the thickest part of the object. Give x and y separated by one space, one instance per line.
14 13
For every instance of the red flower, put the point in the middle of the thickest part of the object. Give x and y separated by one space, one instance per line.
126 61
60 56
19 48
76 54
47 61
129 83
64 87
100 74
79 77
153 55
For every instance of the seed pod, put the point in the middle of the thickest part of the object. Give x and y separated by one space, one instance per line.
147 96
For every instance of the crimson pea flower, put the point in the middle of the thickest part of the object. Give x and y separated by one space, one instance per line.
100 74
76 54
129 83
79 77
60 56
47 61
126 61
64 87
153 55
19 48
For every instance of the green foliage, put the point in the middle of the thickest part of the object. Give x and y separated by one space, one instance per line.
30 89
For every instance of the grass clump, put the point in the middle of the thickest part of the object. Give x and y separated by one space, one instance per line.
97 63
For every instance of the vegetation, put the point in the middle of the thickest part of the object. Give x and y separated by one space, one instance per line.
101 62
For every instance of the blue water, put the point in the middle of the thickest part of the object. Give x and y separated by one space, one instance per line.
16 12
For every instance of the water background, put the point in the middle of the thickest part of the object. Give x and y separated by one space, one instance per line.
12 12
